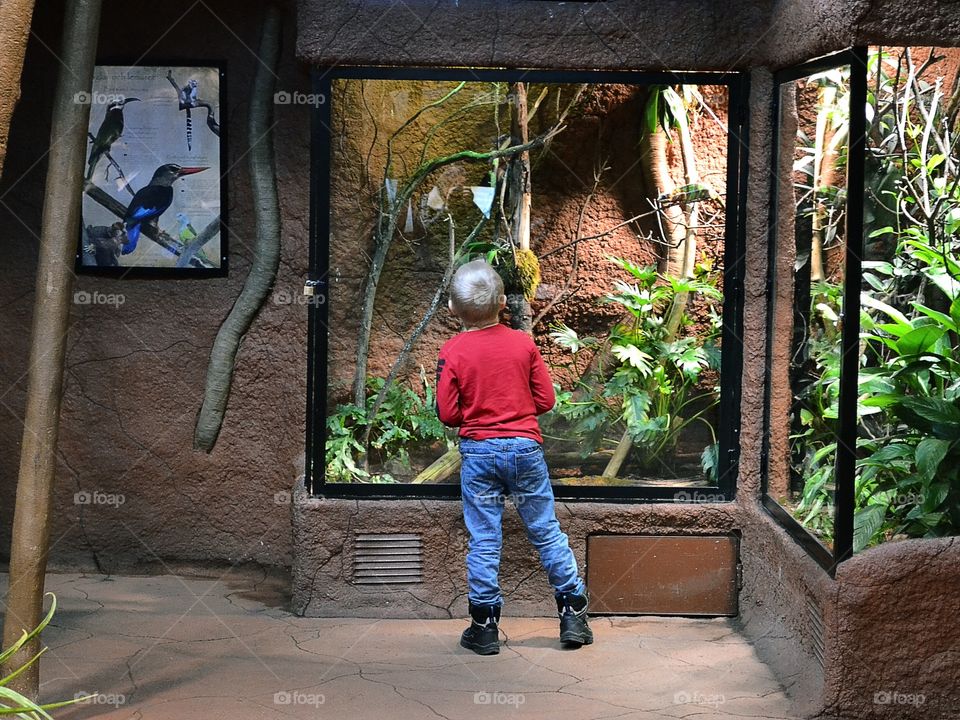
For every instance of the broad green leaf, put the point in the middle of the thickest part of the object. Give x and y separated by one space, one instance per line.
929 454
867 523
935 410
635 357
868 300
919 340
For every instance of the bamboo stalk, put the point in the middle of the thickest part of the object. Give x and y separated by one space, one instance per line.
30 540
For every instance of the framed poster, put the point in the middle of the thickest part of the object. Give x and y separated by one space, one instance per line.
154 196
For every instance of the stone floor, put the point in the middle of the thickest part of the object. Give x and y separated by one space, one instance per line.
164 647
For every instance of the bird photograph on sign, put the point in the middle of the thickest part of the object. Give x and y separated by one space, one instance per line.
153 192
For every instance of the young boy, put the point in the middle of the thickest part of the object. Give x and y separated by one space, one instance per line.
492 384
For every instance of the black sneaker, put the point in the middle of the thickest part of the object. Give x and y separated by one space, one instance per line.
574 629
483 635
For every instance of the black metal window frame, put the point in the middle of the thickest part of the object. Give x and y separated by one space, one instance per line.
734 243
847 427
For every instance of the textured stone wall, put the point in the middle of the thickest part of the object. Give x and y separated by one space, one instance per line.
894 649
325 530
135 372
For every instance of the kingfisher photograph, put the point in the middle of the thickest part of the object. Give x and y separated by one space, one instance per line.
153 193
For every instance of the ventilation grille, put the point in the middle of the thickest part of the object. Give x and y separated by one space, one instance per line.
387 559
816 629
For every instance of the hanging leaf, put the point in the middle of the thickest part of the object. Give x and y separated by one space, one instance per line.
929 454
866 524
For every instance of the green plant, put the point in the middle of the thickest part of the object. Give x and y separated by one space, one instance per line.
403 419
655 390
12 702
908 450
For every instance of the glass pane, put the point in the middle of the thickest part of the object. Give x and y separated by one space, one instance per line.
608 233
909 382
811 230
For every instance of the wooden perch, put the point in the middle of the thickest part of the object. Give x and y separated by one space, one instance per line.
441 468
111 161
151 231
193 247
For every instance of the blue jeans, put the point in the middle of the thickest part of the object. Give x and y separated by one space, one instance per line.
491 470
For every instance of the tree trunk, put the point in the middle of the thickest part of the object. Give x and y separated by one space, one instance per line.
521 196
15 17
656 171
266 250
681 253
824 160
51 314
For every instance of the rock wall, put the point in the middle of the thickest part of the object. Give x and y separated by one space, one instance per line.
135 371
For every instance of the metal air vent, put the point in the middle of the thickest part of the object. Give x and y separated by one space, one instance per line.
816 629
387 559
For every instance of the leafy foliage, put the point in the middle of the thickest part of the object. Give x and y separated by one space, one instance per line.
655 389
404 419
908 451
15 704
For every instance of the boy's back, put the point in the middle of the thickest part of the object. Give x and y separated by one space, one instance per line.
492 383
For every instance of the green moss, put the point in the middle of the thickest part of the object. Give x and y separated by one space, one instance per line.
528 273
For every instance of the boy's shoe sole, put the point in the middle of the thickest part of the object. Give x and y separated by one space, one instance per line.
576 639
480 647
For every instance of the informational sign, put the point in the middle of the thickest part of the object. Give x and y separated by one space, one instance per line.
153 192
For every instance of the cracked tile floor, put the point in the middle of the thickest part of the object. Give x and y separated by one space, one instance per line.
164 647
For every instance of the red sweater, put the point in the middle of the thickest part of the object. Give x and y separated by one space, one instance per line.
492 383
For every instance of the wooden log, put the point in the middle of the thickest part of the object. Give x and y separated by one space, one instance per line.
441 468
619 456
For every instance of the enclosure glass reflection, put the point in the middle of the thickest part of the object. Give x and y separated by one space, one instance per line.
603 208
811 231
883 466
908 414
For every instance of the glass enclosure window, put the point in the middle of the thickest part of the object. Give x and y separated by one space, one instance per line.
814 121
604 207
908 455
866 317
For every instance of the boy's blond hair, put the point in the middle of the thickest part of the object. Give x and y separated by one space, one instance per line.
476 292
